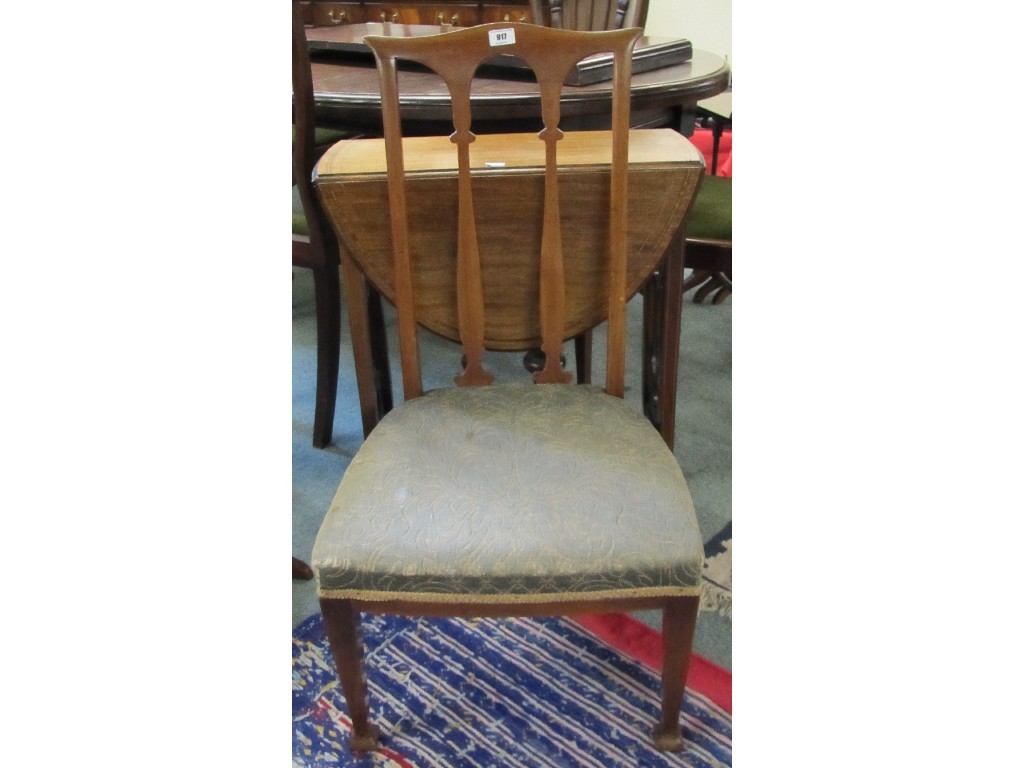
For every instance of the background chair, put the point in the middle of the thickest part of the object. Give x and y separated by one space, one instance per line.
590 15
709 228
313 243
709 241
482 500
315 247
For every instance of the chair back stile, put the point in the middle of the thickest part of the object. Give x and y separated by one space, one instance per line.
551 54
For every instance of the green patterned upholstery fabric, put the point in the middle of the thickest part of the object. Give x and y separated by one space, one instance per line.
711 214
510 493
299 225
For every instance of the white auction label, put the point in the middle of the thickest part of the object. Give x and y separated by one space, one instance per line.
502 37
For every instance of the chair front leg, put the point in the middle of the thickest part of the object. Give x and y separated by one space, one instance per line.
341 620
678 624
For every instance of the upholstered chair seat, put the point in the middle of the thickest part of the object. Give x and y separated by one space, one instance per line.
503 492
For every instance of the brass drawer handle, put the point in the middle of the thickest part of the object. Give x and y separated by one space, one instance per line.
341 18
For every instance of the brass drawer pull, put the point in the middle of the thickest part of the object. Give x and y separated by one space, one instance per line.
342 18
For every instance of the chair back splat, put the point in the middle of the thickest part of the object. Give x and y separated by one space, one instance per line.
551 55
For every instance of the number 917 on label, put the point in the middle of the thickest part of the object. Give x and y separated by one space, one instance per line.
502 37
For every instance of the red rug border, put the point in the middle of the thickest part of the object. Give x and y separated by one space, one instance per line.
639 641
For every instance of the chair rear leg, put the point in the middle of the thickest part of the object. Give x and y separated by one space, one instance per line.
341 621
678 624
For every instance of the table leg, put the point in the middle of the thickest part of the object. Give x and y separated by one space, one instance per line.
379 351
686 119
672 311
653 294
369 344
716 137
584 346
662 308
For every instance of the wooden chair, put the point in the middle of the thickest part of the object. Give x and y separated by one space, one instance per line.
590 15
709 227
315 247
313 243
709 241
509 499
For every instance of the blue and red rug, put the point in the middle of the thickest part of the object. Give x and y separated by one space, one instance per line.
499 693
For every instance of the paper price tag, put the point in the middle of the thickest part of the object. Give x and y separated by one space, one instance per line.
502 37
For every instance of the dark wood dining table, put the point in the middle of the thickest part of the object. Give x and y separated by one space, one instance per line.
347 95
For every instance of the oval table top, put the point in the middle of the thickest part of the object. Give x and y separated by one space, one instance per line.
347 93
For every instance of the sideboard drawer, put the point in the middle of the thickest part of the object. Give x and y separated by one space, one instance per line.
327 14
459 14
489 13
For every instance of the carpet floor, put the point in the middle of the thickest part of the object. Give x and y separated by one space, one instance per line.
494 692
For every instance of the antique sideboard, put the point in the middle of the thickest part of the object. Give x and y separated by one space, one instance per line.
459 14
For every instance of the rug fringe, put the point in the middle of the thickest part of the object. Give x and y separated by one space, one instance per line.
715 599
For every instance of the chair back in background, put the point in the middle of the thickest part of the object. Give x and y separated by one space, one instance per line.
592 15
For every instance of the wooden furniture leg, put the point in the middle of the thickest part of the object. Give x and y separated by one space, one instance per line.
341 621
672 312
369 344
327 292
379 351
696 278
663 302
708 282
678 624
301 570
584 345
653 295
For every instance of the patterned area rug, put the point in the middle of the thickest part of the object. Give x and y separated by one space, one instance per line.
498 693
716 594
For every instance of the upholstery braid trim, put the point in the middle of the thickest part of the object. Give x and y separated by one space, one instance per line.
509 599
